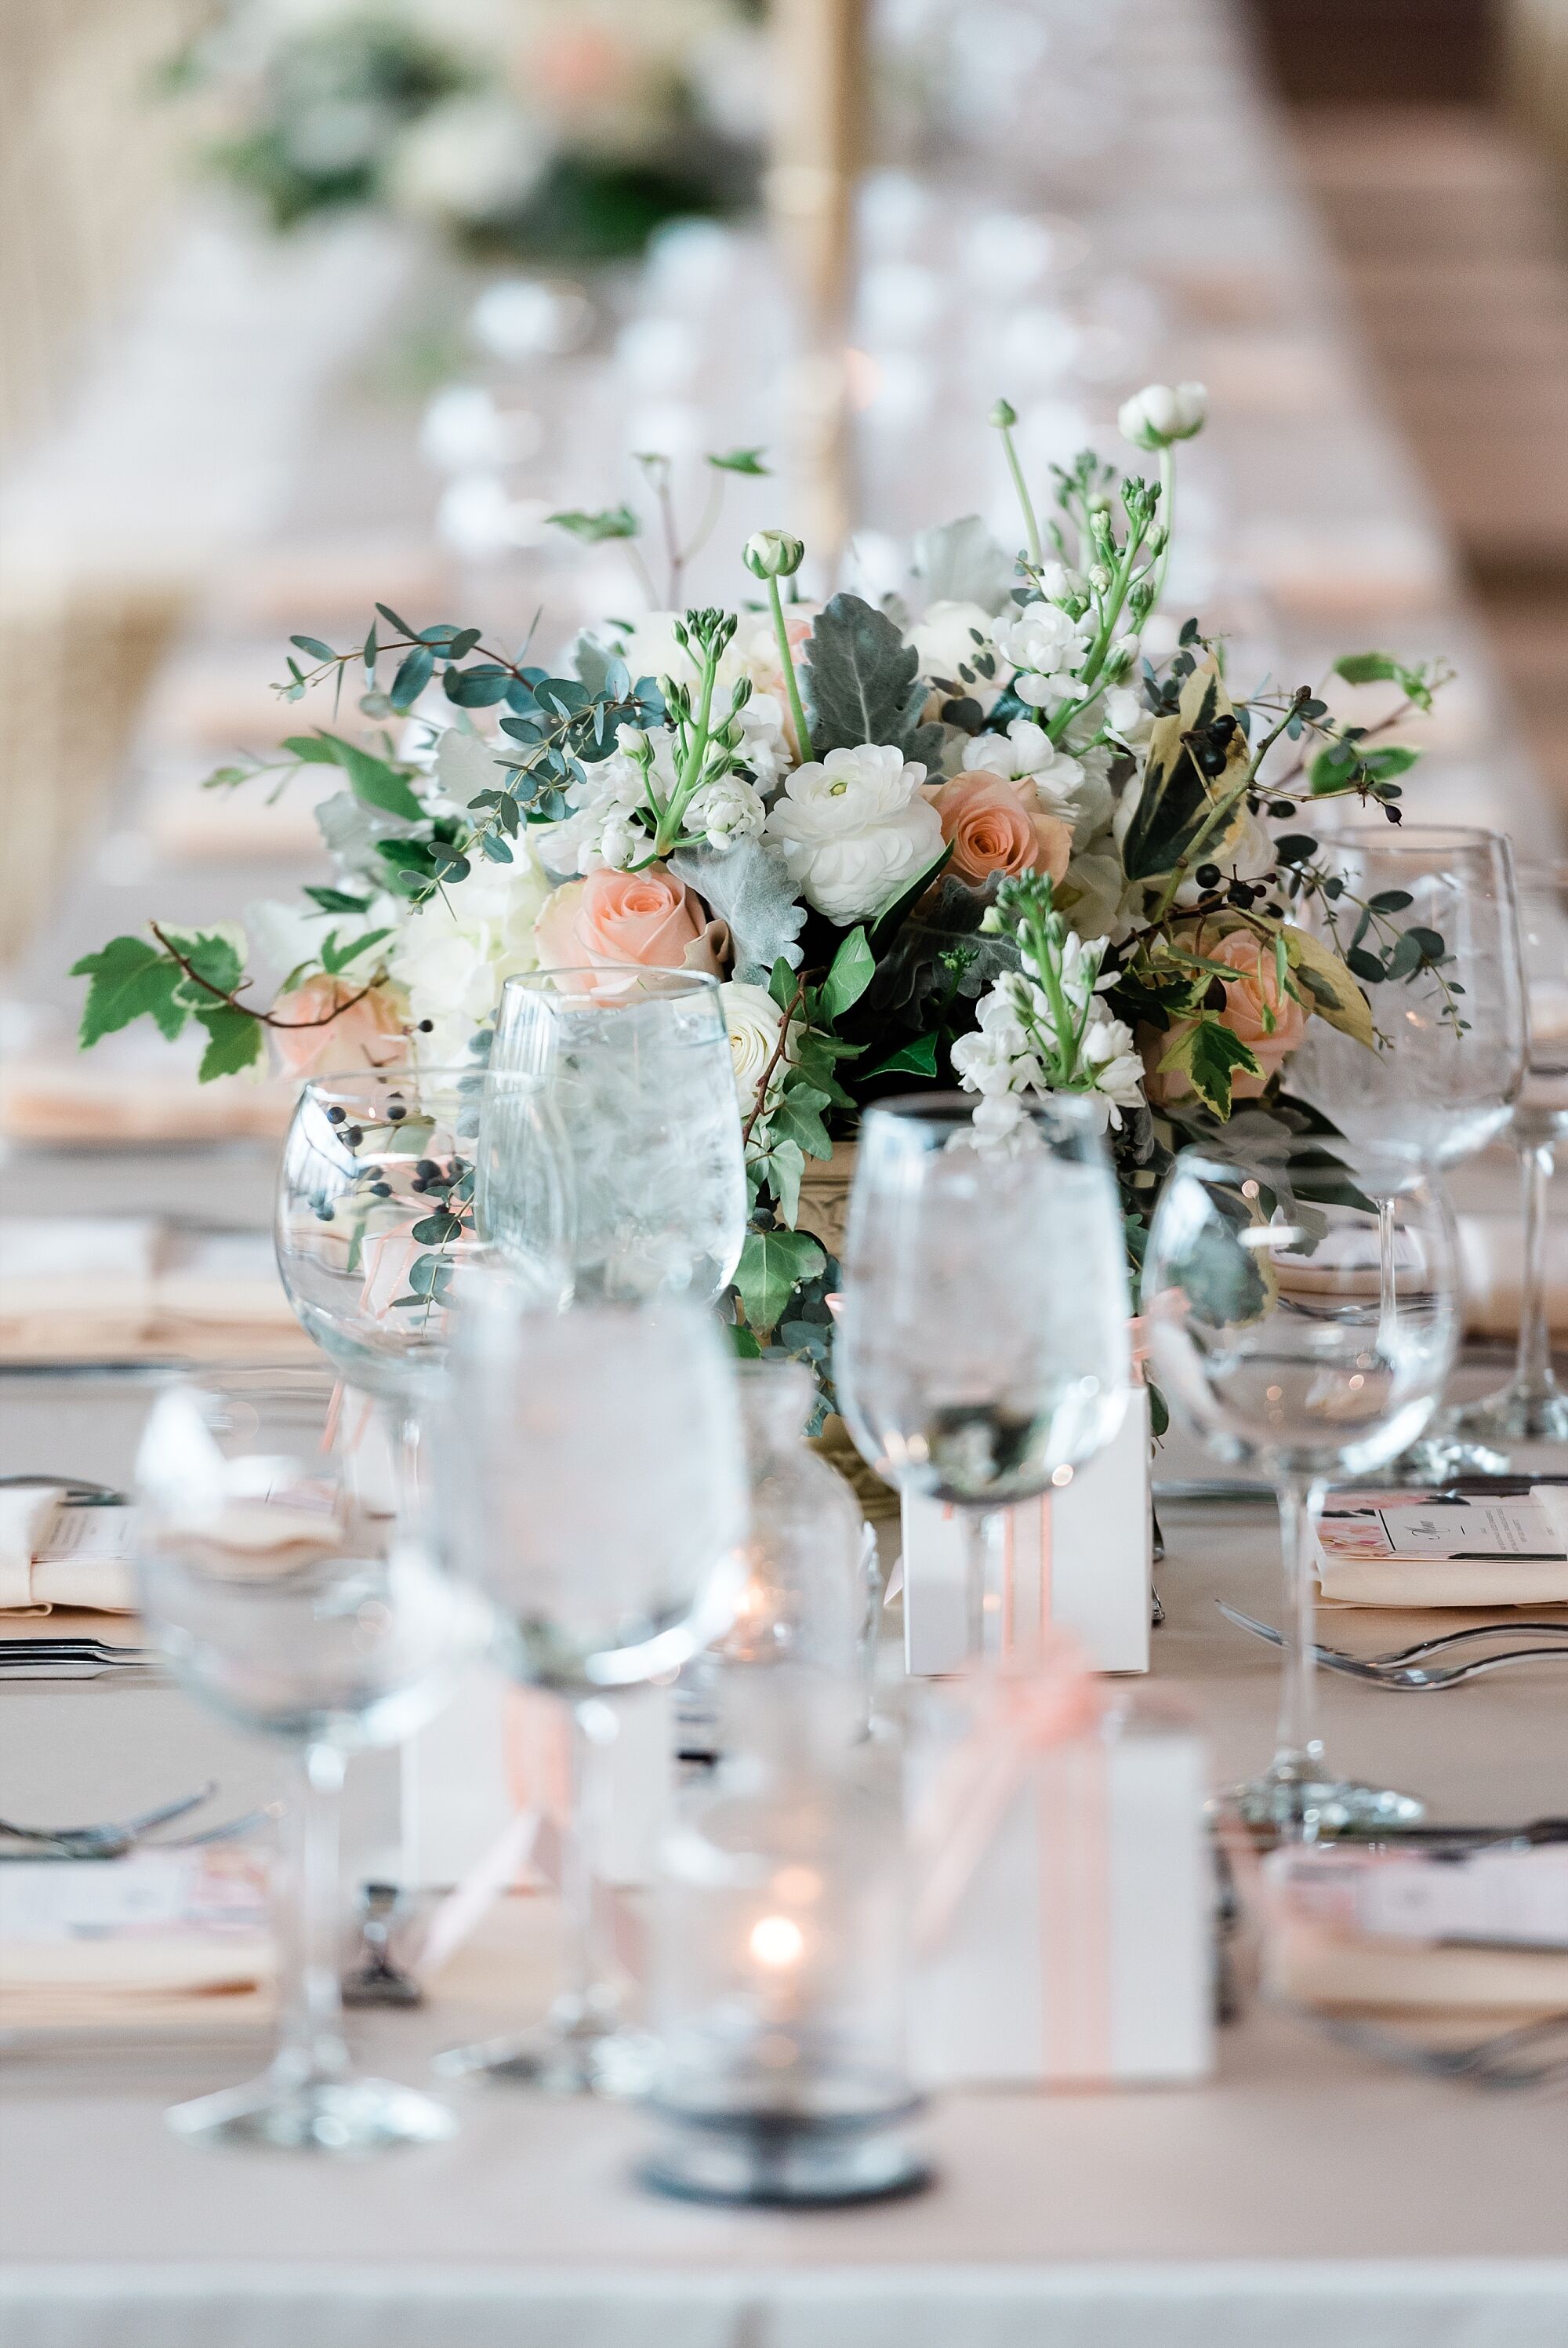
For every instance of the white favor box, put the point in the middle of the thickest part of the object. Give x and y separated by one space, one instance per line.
497 1749
1081 1557
1079 1948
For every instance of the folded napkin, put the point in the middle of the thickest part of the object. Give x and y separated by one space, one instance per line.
126 1288
155 1940
51 1555
1420 1550
55 1101
1349 1929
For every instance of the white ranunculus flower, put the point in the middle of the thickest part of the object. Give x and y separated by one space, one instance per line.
944 637
469 158
754 1020
854 830
455 951
1158 414
1046 646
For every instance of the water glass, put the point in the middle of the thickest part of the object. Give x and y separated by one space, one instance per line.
593 1479
1532 1405
634 1072
375 1216
1276 1338
982 1346
288 1604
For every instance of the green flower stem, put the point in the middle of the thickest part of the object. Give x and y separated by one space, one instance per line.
691 764
786 659
1167 513
1025 503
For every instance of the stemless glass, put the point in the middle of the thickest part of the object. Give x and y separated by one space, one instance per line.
1451 1038
982 1342
1273 1337
1533 1404
286 1603
633 1066
592 1474
375 1216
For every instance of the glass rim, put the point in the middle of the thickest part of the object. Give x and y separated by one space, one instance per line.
951 1107
1336 1149
1412 837
660 982
341 1079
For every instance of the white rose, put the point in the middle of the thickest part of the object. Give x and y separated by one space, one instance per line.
469 158
1156 416
855 831
944 637
754 1020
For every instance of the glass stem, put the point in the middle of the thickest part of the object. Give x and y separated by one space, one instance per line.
984 1597
1532 1376
1298 1748
591 1993
311 2049
1387 1278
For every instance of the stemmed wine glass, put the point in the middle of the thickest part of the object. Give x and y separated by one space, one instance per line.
1273 1337
288 1602
591 1473
1533 1404
634 1075
1449 1058
982 1343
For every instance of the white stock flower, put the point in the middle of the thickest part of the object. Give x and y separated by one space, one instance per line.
1060 584
1127 715
1026 754
454 953
1004 1060
754 1020
725 811
1046 646
854 830
649 648
1158 414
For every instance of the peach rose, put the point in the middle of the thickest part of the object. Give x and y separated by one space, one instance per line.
370 1034
994 828
1251 998
646 917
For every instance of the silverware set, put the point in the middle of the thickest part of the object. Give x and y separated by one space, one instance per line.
71 1659
1406 1667
116 1839
1500 2062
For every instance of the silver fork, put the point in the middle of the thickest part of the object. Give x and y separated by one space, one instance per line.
109 1840
1485 2062
1389 1674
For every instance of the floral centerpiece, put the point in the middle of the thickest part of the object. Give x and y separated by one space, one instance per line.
997 843
552 129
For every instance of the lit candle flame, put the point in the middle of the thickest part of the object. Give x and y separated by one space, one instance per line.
777 1941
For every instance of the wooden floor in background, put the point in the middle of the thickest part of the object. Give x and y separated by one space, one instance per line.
1453 236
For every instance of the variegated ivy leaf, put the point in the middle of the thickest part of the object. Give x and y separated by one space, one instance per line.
1177 797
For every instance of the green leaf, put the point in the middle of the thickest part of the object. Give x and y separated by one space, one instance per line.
781 1171
130 979
335 900
413 673
863 684
1177 799
853 967
311 749
1393 758
335 958
1211 1056
593 529
889 918
1367 668
915 1059
216 956
1327 983
771 1265
797 1116
739 460
233 1041
370 779
743 1342
314 646
435 1231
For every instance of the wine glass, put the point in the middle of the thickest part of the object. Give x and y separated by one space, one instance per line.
634 1068
982 1340
288 1602
592 1477
1533 1404
1273 1337
1451 1033
375 1216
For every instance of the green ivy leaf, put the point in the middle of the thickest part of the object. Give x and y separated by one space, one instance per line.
744 1345
370 779
1211 1056
1367 668
336 958
771 1265
781 1171
797 1116
130 979
233 1041
335 900
741 460
915 1059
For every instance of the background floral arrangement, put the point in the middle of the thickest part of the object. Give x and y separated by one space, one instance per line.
534 128
992 844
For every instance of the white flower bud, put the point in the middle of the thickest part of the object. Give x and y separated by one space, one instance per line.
773 554
1100 579
1157 416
